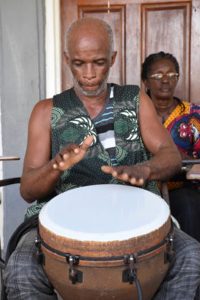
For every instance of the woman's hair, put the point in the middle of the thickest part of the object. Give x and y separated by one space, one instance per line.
152 58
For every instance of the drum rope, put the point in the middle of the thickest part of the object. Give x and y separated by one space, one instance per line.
130 274
139 288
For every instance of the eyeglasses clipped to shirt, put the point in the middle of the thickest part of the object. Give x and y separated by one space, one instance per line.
160 76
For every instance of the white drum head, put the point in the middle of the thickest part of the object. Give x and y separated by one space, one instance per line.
106 212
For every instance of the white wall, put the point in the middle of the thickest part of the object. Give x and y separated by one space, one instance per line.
22 84
30 70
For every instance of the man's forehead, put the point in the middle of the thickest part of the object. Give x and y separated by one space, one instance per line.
85 32
89 41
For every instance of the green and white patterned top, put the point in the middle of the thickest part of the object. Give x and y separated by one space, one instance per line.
71 124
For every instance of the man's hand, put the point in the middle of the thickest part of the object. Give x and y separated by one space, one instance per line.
71 155
135 175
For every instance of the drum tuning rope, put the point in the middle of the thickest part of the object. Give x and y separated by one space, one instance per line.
39 254
170 254
130 274
74 275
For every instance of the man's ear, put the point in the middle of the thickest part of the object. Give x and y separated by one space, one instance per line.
66 56
113 57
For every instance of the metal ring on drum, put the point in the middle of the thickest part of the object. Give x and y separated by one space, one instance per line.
106 242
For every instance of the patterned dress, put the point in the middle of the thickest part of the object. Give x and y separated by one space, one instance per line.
184 127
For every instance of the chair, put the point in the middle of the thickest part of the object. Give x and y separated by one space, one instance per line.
190 171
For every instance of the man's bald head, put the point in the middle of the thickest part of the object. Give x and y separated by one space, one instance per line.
90 26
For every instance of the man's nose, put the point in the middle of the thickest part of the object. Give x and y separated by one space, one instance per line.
89 71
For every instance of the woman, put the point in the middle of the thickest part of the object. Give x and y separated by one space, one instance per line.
160 74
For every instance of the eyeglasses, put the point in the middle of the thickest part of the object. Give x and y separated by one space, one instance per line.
170 76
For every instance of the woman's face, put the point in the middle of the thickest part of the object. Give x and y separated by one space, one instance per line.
162 80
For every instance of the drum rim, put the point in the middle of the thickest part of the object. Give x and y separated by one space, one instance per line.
165 241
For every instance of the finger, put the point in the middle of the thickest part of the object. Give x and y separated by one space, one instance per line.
87 142
136 181
70 151
66 156
55 166
107 169
58 159
124 177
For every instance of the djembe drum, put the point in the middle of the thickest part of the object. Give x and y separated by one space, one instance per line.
105 242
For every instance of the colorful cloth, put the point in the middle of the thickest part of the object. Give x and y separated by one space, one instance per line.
184 127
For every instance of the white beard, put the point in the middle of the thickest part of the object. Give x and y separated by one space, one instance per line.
97 92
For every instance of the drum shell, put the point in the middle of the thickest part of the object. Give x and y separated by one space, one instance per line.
103 279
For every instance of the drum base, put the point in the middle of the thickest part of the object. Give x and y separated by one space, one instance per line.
105 282
95 252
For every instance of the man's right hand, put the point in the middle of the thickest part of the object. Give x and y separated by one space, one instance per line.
71 155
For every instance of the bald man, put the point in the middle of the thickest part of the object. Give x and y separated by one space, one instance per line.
72 143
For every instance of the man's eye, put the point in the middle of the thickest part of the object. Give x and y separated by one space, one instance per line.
77 63
100 62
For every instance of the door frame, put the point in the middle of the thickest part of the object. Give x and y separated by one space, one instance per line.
52 48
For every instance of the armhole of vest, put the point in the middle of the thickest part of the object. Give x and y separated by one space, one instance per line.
56 99
59 97
138 103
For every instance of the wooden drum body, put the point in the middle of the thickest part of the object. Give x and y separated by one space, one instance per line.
105 242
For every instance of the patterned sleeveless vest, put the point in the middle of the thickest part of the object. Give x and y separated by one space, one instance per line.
71 124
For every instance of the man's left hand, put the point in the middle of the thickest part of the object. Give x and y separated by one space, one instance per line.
135 175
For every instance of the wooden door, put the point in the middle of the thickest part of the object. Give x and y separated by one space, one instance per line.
142 27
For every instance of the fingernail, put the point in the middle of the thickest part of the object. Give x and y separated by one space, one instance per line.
76 150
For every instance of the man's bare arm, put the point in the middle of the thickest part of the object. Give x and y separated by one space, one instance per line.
40 173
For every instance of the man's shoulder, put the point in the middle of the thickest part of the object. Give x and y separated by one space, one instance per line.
43 104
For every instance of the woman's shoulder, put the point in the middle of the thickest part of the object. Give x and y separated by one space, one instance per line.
189 108
191 105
